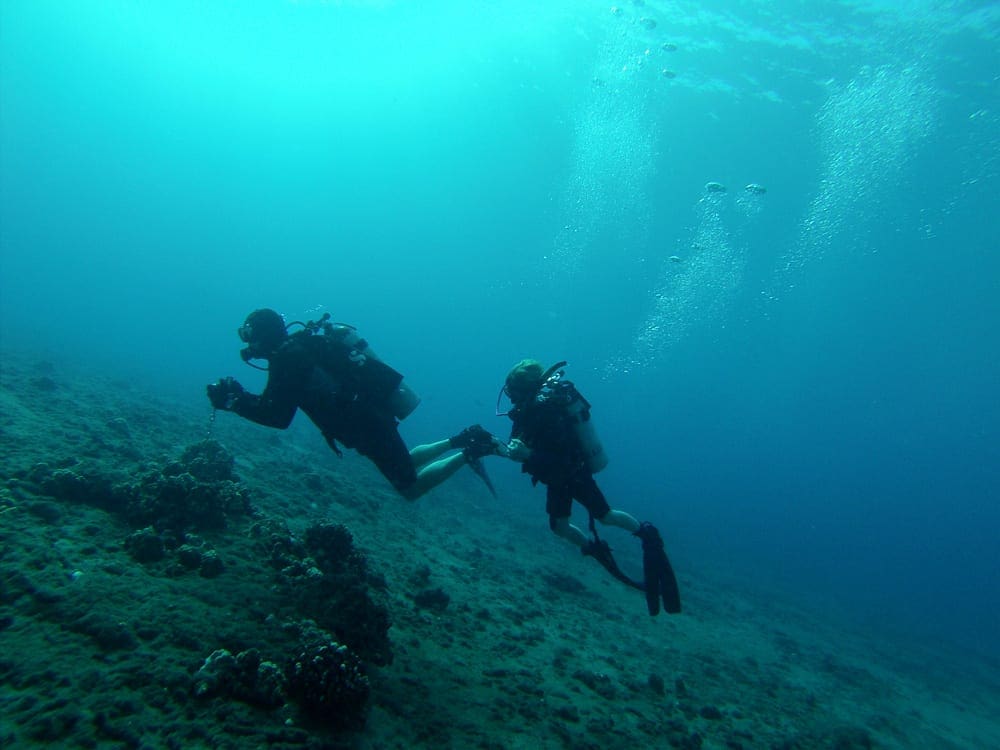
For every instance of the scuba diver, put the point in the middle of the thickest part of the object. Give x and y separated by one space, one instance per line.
354 398
553 438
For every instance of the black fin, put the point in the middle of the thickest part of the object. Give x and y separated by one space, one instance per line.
669 589
659 574
651 574
600 551
476 464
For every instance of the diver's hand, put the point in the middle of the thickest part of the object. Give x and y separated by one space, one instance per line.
518 451
224 393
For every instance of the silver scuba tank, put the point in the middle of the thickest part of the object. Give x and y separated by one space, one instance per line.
577 410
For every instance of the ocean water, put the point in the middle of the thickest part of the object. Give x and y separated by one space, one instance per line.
800 386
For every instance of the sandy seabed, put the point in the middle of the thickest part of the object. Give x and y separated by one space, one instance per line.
502 636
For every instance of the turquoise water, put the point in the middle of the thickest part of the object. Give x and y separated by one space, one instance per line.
800 387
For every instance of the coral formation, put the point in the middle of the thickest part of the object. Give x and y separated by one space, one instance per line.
197 492
330 684
328 580
246 677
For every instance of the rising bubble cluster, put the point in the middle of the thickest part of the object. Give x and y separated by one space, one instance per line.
869 129
696 284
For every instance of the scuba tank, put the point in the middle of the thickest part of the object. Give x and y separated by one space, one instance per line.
577 410
401 399
579 414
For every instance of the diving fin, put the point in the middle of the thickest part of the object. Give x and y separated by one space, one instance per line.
476 464
659 574
600 551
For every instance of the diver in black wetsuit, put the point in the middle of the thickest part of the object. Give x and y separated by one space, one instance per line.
554 439
352 396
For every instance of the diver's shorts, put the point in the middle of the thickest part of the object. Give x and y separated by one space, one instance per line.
583 489
378 440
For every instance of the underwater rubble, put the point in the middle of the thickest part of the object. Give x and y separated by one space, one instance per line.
161 588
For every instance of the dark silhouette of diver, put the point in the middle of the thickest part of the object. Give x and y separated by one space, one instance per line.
354 398
554 439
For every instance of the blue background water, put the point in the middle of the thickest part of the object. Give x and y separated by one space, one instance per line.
808 397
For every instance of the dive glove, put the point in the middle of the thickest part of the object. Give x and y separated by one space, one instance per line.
475 442
476 434
224 393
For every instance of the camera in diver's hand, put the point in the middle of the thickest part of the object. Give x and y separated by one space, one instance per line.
224 393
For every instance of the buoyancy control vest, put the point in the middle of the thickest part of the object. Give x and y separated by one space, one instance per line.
347 356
